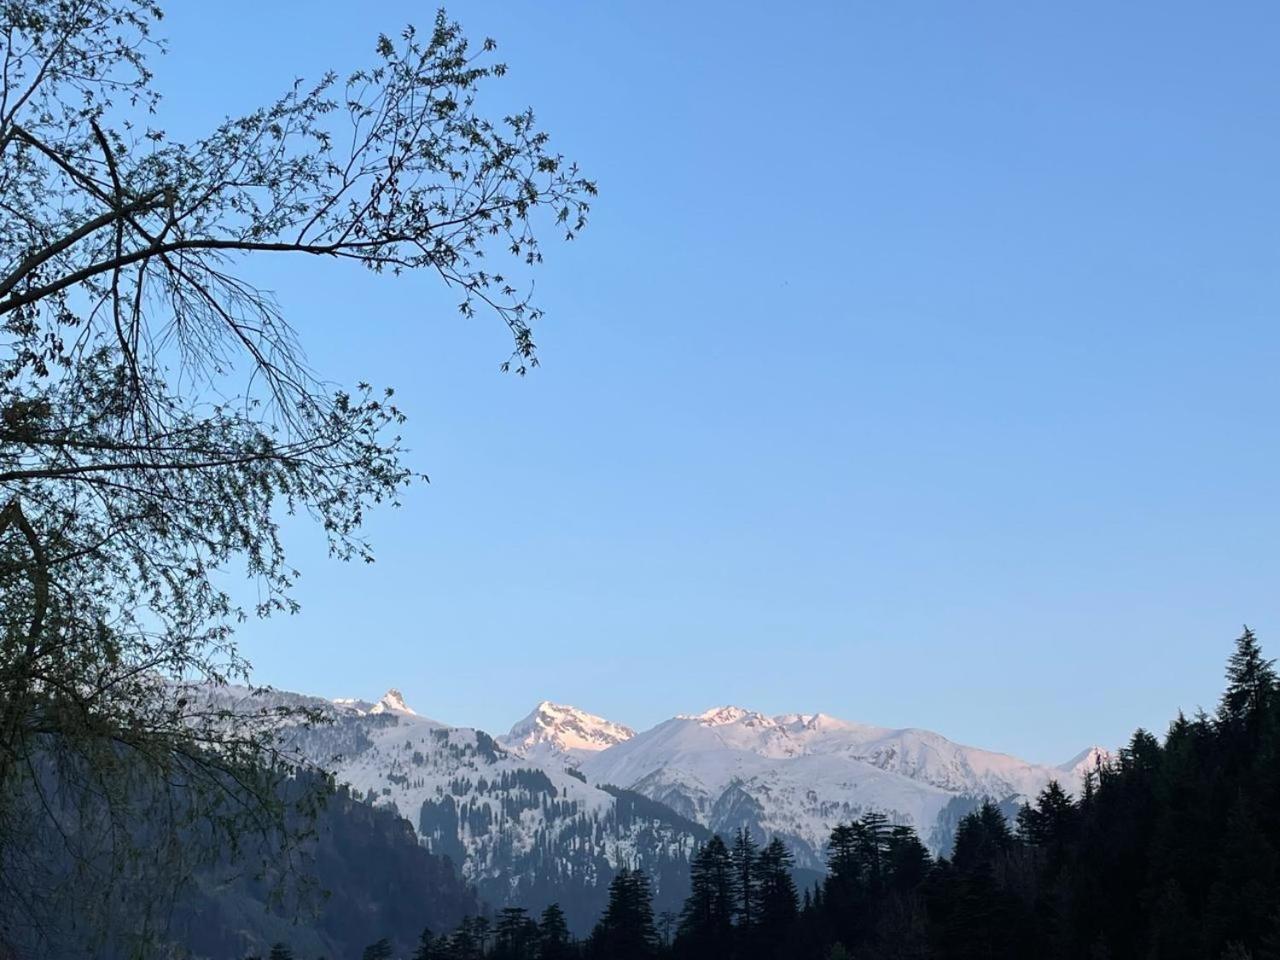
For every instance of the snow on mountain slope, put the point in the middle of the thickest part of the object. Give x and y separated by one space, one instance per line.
798 775
554 731
523 831
352 703
391 702
538 815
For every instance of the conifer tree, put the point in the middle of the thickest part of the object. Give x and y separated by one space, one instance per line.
745 882
779 909
1251 684
1051 825
842 854
907 861
980 838
425 946
553 934
706 922
626 930
515 935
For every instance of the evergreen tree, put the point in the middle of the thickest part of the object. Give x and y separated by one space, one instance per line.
907 861
706 921
871 834
978 917
1251 684
377 951
779 908
280 951
981 838
745 883
842 856
515 936
553 934
626 930
1050 827
425 946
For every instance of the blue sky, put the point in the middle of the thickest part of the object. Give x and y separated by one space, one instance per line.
917 367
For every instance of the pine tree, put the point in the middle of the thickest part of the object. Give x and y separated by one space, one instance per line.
280 951
872 840
1051 825
1251 684
706 921
907 861
779 908
842 854
377 951
515 935
553 934
745 883
980 838
626 930
425 945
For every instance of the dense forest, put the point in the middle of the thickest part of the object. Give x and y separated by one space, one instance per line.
1169 851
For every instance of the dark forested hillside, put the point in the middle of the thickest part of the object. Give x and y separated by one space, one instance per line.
364 877
1170 852
347 874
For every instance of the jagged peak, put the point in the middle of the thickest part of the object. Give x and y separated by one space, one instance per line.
393 702
720 716
561 727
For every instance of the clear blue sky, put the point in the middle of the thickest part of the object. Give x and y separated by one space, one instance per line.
919 367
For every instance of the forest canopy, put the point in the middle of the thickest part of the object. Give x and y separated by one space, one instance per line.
1169 850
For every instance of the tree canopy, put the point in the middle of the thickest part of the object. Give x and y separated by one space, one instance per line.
157 413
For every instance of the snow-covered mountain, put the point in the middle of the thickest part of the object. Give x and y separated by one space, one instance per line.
555 731
552 809
392 702
524 829
798 775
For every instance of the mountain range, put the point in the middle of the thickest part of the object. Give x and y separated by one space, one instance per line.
552 809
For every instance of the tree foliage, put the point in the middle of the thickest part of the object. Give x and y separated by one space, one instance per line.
157 413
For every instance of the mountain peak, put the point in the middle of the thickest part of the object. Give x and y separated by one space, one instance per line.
393 702
719 716
560 728
1087 760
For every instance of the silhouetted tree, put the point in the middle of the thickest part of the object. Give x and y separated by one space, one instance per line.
706 921
626 930
554 942
779 908
746 885
158 416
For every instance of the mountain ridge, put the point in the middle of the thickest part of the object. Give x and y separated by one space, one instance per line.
553 809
